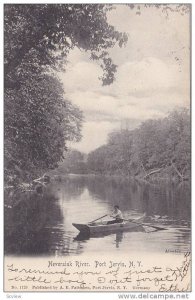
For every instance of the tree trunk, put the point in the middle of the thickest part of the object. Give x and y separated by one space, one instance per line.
177 171
152 172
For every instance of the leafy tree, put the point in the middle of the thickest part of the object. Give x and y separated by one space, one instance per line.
166 9
43 35
96 160
161 145
74 162
149 140
178 141
38 38
38 122
122 141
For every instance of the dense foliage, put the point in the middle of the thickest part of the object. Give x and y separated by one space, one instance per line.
37 127
156 147
43 35
74 162
38 119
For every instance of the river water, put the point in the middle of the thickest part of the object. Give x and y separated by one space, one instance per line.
41 224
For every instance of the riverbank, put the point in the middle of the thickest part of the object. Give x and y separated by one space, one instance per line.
163 176
39 185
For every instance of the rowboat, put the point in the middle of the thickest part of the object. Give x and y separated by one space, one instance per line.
103 228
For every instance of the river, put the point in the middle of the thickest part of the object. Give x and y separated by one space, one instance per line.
41 224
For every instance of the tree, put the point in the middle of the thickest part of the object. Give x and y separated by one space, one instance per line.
38 122
161 145
74 162
38 119
122 142
178 142
149 142
43 35
96 160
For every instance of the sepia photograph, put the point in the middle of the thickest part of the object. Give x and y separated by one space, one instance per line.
97 147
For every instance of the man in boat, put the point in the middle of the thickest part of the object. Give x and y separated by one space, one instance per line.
117 215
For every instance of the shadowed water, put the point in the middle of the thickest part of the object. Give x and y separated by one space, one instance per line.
42 224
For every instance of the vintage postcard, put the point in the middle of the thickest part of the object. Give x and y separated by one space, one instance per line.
97 148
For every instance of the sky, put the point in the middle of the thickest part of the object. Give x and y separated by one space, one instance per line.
153 75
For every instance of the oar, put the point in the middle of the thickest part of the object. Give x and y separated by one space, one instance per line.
147 225
98 219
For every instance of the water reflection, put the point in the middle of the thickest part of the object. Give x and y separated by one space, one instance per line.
42 224
26 228
118 237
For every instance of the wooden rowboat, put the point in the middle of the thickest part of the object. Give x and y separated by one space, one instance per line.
103 227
